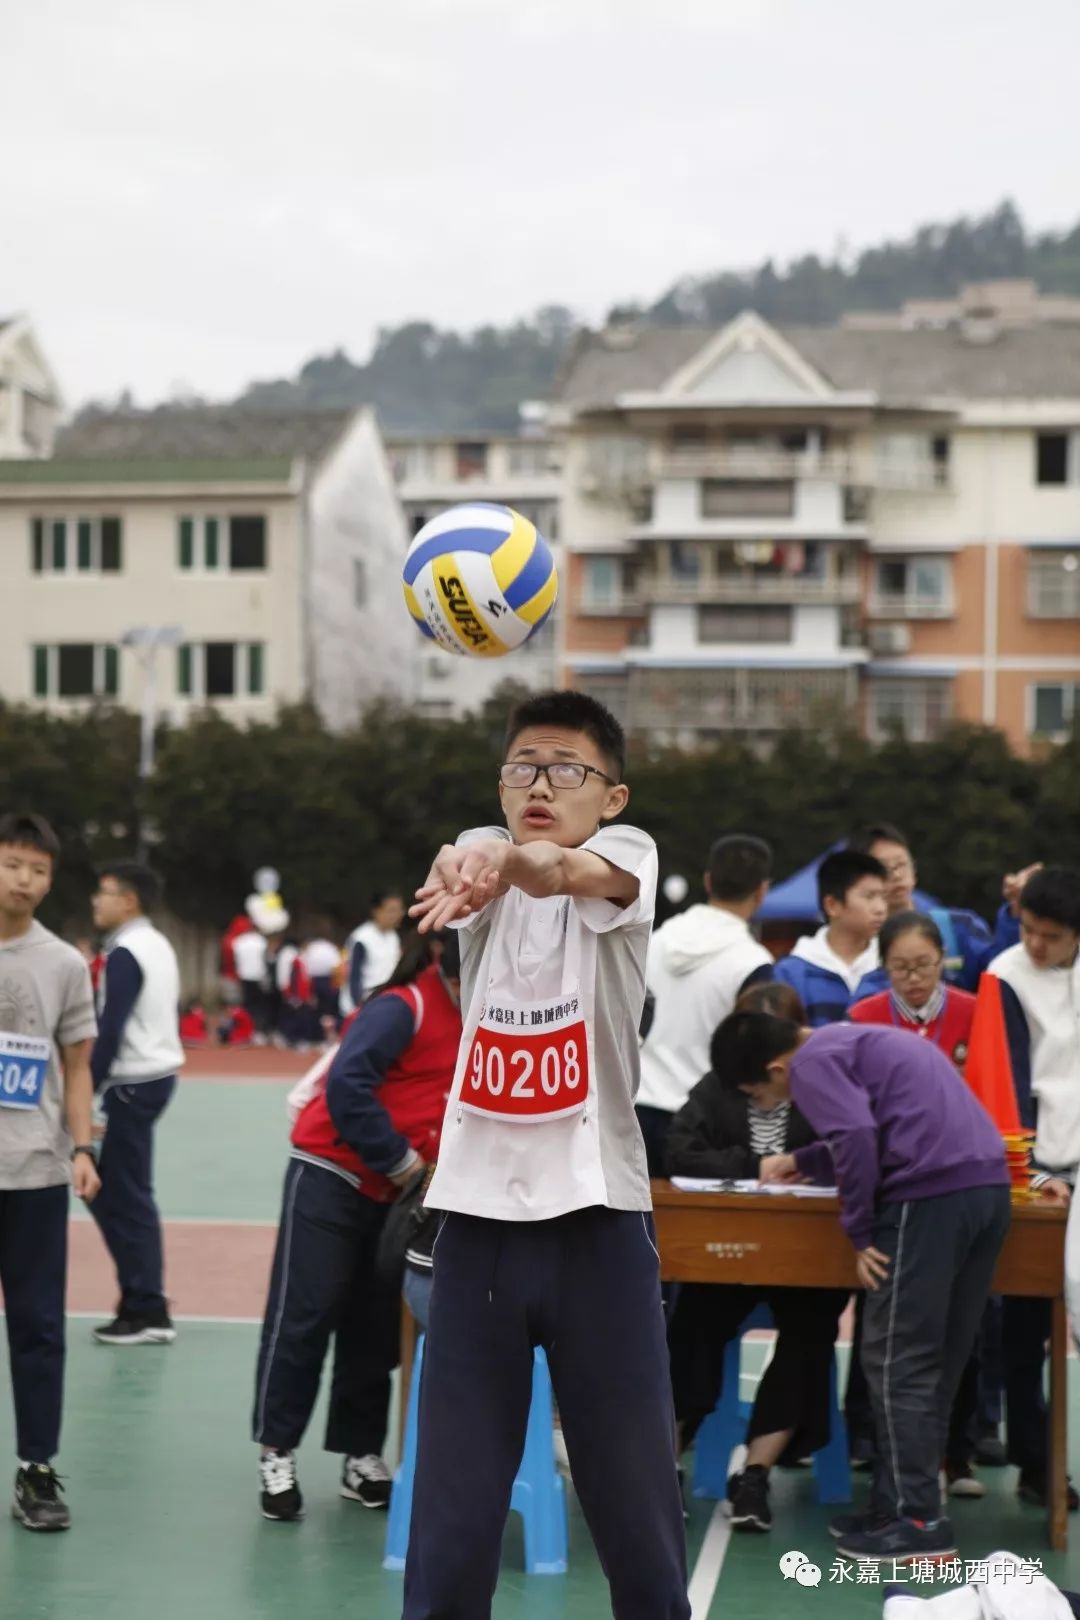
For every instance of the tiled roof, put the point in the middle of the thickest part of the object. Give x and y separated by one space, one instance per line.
1037 362
56 470
201 433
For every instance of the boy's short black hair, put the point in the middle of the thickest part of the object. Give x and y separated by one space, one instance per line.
738 865
1054 893
840 871
746 1043
137 879
573 711
876 832
909 922
381 896
31 831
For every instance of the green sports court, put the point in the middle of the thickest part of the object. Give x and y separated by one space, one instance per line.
161 1471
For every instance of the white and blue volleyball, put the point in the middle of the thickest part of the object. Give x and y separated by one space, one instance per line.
480 580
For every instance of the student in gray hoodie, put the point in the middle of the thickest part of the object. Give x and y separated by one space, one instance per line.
699 963
924 1198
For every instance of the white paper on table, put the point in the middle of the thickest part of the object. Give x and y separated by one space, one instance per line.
705 1185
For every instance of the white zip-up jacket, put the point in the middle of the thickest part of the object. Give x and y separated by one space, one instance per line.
697 965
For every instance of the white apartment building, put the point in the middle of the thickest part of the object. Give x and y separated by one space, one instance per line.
521 470
764 528
272 544
30 401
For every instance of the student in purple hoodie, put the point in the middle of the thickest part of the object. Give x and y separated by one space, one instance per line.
924 1198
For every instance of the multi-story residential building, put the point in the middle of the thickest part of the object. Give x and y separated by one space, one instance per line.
272 544
30 400
519 470
766 527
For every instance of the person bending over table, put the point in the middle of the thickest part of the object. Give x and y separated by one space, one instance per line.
722 1133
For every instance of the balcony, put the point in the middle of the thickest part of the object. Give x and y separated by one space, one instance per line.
626 604
630 475
720 462
916 477
894 605
781 588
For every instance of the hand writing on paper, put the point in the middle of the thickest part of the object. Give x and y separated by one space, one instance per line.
779 1167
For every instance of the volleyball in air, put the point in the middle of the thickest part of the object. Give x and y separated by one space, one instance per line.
480 580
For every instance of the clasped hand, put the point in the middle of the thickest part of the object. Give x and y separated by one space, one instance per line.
462 881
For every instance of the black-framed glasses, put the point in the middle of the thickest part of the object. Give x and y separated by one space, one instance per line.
563 774
913 970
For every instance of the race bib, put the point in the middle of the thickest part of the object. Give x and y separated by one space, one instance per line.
528 1061
24 1063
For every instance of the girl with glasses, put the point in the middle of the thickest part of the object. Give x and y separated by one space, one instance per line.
919 999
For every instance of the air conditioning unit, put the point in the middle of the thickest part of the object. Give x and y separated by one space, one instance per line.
890 638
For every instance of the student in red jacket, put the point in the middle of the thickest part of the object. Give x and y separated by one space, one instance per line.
913 955
373 1117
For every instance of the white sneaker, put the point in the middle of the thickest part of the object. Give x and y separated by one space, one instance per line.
366 1480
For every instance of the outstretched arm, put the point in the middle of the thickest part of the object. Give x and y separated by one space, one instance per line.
466 878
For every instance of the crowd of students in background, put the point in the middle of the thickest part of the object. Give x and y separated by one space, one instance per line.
289 990
1001 1006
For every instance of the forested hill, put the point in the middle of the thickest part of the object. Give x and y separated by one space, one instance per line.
422 379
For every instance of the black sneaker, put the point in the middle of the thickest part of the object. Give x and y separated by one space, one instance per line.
366 1480
122 1330
748 1494
281 1497
1031 1487
856 1524
36 1503
901 1541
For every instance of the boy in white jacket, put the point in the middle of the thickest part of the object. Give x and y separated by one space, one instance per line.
699 963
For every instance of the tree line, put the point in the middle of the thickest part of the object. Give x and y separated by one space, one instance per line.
422 378
341 814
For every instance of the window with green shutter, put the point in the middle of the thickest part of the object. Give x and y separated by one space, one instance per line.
84 545
41 671
37 545
112 671
111 553
183 671
211 537
187 543
59 545
255 668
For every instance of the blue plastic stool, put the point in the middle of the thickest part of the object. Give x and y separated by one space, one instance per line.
538 1494
725 1428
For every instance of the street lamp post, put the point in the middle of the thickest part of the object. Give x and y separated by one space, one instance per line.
145 640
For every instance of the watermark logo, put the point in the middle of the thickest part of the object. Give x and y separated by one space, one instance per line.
994 1571
795 1566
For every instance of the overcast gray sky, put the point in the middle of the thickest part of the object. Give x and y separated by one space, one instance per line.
208 191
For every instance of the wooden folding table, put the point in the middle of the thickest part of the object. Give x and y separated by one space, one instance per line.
798 1242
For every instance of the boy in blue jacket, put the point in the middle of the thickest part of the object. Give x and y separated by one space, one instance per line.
924 1198
825 969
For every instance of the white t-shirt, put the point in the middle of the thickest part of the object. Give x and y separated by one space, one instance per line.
249 954
552 992
382 953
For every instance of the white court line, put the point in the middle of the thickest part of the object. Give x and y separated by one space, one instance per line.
706 1576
